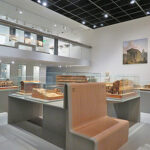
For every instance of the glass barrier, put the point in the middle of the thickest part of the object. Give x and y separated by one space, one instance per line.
63 49
24 40
76 51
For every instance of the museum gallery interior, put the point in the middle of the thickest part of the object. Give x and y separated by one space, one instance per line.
74 75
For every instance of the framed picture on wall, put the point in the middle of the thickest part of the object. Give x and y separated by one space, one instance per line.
135 51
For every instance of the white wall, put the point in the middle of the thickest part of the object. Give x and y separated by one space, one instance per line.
107 53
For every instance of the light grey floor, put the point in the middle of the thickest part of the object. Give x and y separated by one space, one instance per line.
49 136
139 137
12 138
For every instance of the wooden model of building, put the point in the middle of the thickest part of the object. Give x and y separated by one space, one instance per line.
27 86
120 88
7 85
71 79
47 94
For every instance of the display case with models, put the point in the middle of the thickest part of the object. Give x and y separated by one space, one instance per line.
72 77
37 91
27 86
145 85
6 84
121 87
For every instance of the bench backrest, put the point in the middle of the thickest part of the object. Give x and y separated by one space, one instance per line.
87 102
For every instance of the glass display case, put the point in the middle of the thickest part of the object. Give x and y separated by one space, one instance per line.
8 84
144 85
76 77
37 91
121 87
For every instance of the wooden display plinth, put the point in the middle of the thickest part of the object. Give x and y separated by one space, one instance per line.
9 88
145 89
121 96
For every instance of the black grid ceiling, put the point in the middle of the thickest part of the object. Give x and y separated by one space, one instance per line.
92 11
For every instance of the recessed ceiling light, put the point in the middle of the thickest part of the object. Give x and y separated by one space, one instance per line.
148 13
83 22
106 15
39 1
20 12
101 24
55 25
132 1
44 4
94 26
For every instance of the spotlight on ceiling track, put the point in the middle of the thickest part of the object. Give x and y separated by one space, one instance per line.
44 4
83 22
148 13
132 2
94 26
106 15
39 1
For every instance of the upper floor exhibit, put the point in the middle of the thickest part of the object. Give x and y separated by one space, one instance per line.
40 45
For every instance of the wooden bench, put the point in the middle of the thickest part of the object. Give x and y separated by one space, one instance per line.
89 126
